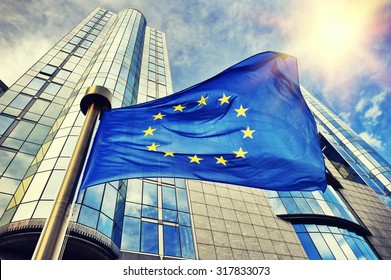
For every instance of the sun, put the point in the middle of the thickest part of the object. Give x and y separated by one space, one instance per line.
337 29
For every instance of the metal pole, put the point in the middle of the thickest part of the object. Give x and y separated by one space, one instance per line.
49 244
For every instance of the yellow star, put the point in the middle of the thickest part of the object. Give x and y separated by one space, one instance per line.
248 133
195 159
179 108
240 153
153 147
166 154
224 99
158 116
149 131
221 160
202 101
241 111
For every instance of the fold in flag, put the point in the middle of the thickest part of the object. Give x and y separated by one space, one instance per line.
248 125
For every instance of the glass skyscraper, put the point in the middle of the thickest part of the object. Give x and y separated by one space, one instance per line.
148 218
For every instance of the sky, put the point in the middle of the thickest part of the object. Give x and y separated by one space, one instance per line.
343 47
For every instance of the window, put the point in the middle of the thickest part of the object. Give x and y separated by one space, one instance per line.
36 83
330 243
143 214
53 88
5 122
149 238
48 70
323 203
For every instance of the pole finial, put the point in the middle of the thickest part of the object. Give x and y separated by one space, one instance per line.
98 95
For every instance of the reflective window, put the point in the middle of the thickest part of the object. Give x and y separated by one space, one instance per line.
36 83
330 243
149 212
20 101
150 193
48 69
88 217
149 238
63 74
93 196
327 203
5 122
53 88
171 241
131 234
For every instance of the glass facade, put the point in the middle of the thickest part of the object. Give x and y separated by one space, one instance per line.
41 121
357 154
146 218
332 243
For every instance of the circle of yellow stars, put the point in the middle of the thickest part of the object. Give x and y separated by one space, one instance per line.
241 112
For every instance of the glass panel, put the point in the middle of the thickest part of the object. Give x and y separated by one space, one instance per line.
22 130
321 246
53 88
171 241
345 247
36 83
184 219
105 225
170 216
150 194
109 201
53 184
49 69
88 217
334 246
25 211
149 238
93 196
4 200
5 122
134 190
182 200
309 246
133 209
149 212
131 234
19 166
38 134
43 209
20 101
169 198
187 242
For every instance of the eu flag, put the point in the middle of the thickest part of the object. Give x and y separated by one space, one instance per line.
248 125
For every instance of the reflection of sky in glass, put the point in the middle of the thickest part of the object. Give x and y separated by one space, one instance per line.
171 241
150 212
109 201
328 243
141 202
149 238
105 225
131 234
93 196
169 198
88 217
133 209
328 203
150 194
187 242
170 216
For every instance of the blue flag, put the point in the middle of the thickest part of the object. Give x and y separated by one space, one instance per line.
248 125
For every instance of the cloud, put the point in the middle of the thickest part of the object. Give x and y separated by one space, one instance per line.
374 112
361 104
372 140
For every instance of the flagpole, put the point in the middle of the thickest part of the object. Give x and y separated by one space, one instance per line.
50 242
